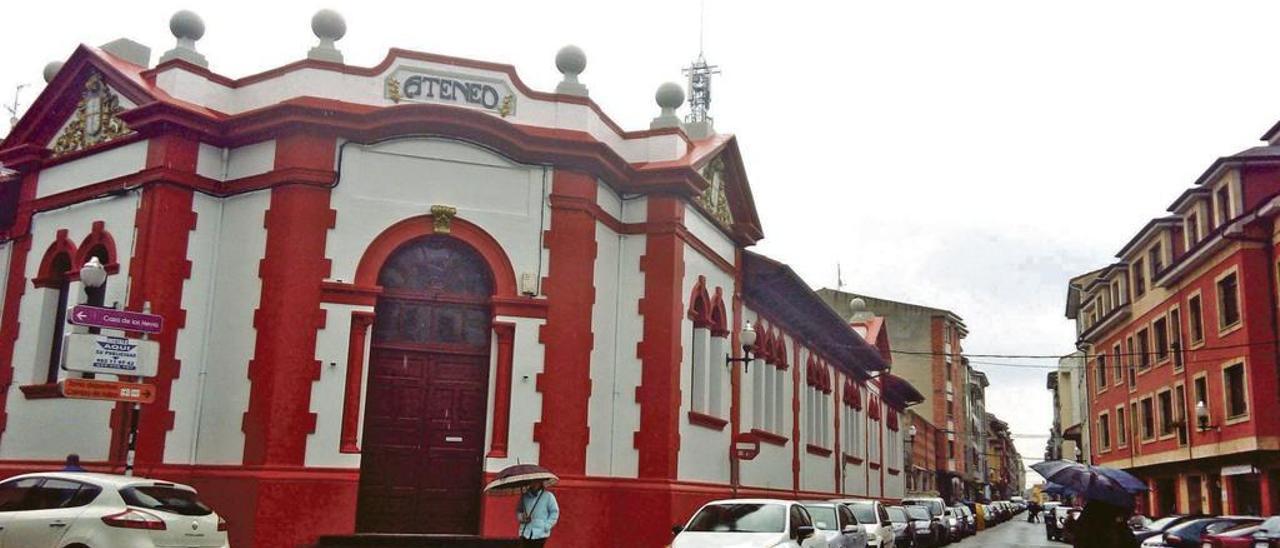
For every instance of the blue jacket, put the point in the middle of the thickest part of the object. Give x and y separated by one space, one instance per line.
543 513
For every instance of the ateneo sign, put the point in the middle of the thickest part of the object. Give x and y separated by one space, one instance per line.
90 353
430 86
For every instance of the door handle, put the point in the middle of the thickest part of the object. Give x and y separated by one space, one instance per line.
57 524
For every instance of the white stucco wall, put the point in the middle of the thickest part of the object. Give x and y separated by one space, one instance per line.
703 451
83 426
328 393
526 401
383 184
230 164
105 165
239 243
772 467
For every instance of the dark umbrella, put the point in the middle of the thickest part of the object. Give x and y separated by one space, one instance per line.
1052 488
1092 482
513 479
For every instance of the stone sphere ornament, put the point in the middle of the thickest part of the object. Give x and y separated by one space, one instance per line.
669 96
571 60
186 24
328 25
51 70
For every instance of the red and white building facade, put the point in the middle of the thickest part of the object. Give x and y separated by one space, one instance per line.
377 293
1180 337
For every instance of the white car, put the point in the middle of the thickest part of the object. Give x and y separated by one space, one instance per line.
874 518
749 523
836 523
84 510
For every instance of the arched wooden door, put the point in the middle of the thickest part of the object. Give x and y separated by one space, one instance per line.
421 468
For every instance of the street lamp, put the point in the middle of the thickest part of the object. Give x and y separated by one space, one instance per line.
1202 417
93 275
750 446
748 338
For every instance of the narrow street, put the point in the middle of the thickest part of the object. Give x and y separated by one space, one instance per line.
1016 533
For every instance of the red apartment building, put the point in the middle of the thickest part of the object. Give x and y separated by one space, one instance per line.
1180 335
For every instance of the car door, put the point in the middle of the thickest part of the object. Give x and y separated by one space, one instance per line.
886 528
857 538
45 517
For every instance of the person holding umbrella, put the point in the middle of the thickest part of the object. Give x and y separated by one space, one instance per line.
536 511
1109 499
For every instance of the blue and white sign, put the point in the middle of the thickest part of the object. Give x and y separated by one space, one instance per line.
106 354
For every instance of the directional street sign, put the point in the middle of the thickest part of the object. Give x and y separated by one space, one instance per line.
110 318
100 354
92 389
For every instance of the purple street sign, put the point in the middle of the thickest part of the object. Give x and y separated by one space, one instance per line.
110 318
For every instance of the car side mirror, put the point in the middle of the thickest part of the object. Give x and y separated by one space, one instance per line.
676 529
804 532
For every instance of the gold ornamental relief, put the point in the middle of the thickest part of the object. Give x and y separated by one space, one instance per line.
714 199
96 119
442 218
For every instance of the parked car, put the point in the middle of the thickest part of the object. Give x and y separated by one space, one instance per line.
1266 536
1249 535
968 525
873 517
934 506
1187 534
836 523
904 535
749 522
84 509
1159 526
952 521
924 534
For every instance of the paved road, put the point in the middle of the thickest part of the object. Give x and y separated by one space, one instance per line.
1011 534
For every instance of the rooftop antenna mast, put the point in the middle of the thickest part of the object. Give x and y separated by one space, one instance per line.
13 107
698 122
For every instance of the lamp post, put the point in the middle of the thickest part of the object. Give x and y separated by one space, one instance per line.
910 460
747 337
94 276
1202 417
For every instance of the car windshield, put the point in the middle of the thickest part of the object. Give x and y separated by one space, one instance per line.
864 511
917 512
166 498
897 515
740 518
824 517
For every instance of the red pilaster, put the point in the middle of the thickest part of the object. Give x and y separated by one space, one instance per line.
795 418
360 322
565 383
15 283
284 366
658 441
504 334
157 272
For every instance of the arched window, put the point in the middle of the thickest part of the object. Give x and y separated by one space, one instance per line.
699 354
54 282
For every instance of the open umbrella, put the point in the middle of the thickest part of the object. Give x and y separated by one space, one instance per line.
513 479
1099 483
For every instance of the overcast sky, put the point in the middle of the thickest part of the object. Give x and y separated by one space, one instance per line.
965 155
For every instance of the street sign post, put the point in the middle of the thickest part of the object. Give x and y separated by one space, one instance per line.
110 318
93 389
105 354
